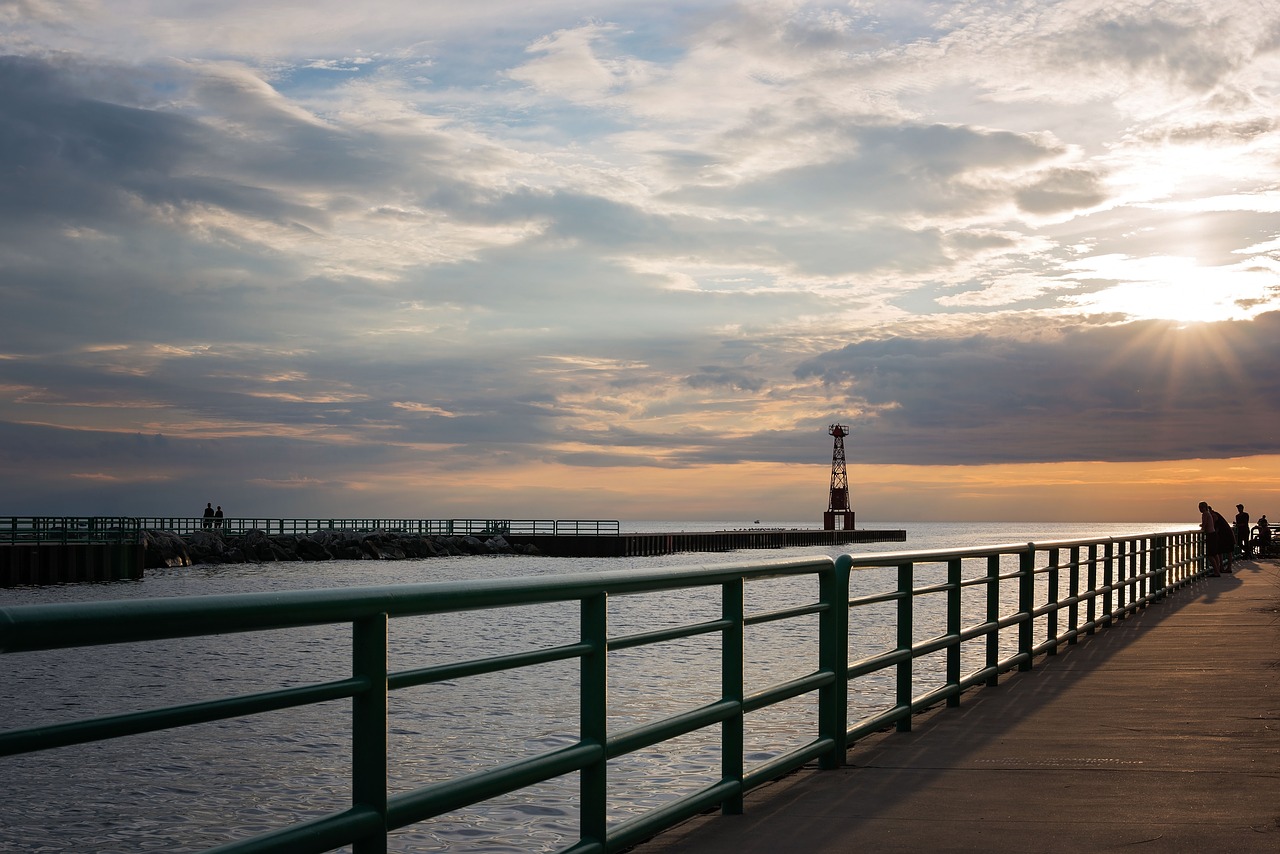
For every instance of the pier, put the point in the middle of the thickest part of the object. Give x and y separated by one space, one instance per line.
1160 734
1071 695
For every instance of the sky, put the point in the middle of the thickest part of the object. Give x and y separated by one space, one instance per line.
619 260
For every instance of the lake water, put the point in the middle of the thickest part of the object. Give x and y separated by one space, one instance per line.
196 787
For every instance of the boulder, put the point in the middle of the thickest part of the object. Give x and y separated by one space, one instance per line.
309 549
498 545
164 549
214 546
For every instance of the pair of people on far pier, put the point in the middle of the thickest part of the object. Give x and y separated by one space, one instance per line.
212 518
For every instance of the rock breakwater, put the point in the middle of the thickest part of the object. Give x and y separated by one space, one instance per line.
167 549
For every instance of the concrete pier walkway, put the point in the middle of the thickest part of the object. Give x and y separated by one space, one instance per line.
1158 734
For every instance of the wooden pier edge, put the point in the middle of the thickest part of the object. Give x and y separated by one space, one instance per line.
643 545
60 563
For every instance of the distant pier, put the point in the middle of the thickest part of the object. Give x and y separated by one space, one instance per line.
61 549
57 550
64 563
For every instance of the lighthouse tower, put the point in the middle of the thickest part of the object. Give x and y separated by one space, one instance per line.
839 515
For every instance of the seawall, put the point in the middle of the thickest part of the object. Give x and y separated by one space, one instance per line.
638 545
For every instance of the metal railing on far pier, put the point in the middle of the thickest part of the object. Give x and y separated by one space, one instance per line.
423 527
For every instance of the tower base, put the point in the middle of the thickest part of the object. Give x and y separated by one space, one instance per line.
837 520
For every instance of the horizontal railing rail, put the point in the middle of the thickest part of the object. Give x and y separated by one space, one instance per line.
64 530
421 527
69 529
960 618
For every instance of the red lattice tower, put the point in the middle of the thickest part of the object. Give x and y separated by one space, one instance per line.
838 509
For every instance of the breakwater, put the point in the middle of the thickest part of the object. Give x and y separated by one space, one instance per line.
54 550
212 546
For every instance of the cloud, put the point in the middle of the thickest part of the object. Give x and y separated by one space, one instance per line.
712 376
1150 390
1062 190
566 65
395 250
1187 46
903 170
68 156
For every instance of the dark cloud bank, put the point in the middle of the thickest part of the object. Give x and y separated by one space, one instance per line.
1150 390
1145 391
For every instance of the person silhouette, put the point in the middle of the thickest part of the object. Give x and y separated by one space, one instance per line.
208 515
1208 527
217 517
1226 539
1242 531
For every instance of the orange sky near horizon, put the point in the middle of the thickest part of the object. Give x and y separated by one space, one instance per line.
1064 492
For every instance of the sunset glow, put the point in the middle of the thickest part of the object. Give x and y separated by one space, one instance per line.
1174 288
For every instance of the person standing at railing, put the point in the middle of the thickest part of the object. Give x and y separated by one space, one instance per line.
1226 539
1210 538
208 515
217 517
1242 530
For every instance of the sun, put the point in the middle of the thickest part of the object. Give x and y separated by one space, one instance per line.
1170 287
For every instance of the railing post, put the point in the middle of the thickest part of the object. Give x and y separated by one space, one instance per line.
1055 595
993 617
833 656
1123 578
1108 578
1132 582
1073 591
954 624
1141 584
369 727
1146 559
593 718
732 651
1092 610
1160 566
906 631
1026 604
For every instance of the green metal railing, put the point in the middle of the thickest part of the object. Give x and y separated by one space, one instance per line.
427 527
64 530
116 529
961 618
